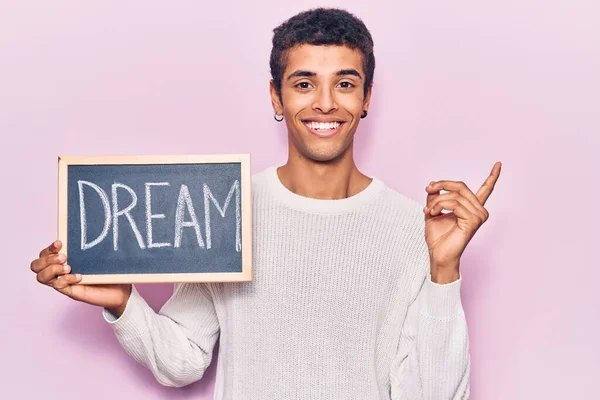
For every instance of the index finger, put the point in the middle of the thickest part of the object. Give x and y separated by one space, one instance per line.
487 188
54 248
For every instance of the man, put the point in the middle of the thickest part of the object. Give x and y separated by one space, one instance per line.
356 289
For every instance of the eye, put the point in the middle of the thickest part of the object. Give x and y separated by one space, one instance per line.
303 85
346 85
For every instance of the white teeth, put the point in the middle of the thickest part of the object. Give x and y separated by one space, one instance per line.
322 125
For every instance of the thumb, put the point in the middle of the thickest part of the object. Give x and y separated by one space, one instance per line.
431 195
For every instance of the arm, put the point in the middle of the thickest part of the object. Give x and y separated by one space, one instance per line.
176 343
433 359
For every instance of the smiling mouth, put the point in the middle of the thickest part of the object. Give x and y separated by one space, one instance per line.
323 129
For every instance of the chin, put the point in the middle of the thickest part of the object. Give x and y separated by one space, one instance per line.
324 155
321 150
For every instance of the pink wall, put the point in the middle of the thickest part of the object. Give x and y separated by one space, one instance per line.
458 86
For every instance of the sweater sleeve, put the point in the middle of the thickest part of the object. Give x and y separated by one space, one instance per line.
433 361
175 344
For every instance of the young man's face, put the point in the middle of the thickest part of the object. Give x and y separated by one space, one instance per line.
322 90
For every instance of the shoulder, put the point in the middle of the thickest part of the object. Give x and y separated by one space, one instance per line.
260 179
400 215
396 203
404 219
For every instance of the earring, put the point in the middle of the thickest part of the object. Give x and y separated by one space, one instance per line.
276 119
364 114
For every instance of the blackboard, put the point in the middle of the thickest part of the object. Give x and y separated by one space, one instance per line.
148 218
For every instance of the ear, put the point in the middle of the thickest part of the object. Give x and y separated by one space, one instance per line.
275 100
367 99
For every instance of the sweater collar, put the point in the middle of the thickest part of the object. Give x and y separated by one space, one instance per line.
321 206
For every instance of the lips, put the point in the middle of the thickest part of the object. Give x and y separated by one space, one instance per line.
323 128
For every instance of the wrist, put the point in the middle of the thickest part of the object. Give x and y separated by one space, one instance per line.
117 311
445 277
120 309
445 274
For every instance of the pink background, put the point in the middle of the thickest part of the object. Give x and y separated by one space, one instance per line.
458 85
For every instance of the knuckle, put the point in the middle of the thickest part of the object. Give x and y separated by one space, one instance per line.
485 213
58 269
58 283
42 278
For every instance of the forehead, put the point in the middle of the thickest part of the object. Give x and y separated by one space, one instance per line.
323 59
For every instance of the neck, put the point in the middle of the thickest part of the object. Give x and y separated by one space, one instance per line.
331 180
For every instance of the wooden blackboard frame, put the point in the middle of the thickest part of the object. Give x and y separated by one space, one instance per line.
246 215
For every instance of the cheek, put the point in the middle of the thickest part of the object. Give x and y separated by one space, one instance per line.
352 103
293 102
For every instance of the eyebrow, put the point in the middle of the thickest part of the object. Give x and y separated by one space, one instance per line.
342 72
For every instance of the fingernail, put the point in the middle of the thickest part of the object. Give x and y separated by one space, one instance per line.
66 268
61 257
77 276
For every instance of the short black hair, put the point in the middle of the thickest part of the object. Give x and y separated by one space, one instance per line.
321 26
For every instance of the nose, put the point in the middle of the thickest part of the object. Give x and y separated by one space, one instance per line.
325 101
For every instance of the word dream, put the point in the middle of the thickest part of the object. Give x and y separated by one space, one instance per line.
112 214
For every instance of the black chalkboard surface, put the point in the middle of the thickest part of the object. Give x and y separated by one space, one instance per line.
141 219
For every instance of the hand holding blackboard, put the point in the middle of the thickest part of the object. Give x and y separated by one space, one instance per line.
51 269
143 219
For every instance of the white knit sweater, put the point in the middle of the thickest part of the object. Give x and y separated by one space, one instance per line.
341 306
